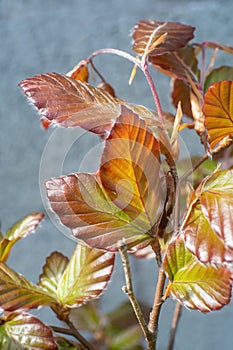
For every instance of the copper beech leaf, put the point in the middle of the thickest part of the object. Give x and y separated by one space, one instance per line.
24 331
195 285
144 32
180 64
218 111
53 270
121 201
86 276
69 103
208 224
19 230
62 100
17 292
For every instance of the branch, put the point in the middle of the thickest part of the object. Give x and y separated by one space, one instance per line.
128 289
74 333
158 301
175 321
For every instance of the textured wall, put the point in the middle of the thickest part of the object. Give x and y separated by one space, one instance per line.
39 36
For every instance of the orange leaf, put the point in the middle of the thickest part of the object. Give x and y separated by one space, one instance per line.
146 32
124 199
79 72
218 111
130 169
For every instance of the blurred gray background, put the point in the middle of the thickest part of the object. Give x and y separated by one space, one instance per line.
39 36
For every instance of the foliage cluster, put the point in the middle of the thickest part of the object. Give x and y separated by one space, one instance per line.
138 202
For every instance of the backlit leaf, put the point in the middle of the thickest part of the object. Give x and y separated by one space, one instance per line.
69 103
196 286
53 270
124 200
130 169
208 226
218 111
86 276
219 74
17 292
19 230
178 35
25 331
202 240
79 72
62 100
217 204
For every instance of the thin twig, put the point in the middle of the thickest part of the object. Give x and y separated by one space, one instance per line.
74 333
175 321
158 301
193 168
128 289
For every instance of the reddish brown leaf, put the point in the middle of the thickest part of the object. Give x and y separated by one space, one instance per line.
208 224
144 32
202 240
179 64
69 103
64 101
181 92
218 111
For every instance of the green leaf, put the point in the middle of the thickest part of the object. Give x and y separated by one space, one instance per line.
53 270
127 339
218 74
26 332
19 230
196 286
17 292
85 277
86 317
121 201
65 344
218 111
